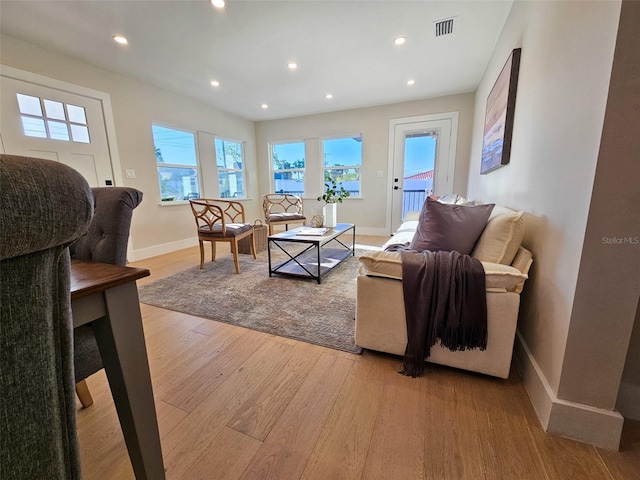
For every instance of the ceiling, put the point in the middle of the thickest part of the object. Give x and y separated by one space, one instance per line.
344 48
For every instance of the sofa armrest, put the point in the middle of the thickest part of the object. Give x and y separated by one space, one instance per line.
389 265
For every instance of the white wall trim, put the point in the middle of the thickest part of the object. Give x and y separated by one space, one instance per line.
599 427
142 253
629 401
102 97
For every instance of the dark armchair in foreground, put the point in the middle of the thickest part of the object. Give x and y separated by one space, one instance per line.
44 207
105 242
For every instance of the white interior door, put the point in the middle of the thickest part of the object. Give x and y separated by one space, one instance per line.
49 123
423 161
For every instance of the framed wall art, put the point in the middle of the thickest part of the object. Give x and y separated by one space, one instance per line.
498 120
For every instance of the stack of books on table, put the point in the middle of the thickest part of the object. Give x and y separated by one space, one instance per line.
311 232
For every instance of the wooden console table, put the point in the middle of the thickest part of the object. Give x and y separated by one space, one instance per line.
107 297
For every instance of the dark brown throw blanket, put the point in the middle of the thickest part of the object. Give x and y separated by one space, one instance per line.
445 299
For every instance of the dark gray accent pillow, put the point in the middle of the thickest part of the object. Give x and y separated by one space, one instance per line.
450 227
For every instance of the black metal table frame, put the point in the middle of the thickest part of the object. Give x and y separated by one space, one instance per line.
313 242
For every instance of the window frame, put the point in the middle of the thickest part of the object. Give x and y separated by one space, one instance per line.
287 170
343 167
195 167
242 170
46 119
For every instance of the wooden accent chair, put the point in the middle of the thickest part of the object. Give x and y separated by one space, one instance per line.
221 221
105 242
282 209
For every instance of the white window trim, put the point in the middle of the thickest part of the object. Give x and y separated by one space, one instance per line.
173 165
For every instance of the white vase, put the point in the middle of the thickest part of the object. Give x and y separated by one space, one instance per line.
330 213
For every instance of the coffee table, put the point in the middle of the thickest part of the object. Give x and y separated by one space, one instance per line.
321 254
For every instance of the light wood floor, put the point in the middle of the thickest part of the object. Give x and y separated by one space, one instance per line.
238 404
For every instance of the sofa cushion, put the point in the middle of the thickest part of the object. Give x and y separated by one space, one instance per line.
501 238
450 227
389 265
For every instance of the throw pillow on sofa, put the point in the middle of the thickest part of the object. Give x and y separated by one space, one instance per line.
450 227
501 238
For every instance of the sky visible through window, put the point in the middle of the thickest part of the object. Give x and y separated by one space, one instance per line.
420 154
176 147
342 151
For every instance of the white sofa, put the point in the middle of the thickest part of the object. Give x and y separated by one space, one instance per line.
380 313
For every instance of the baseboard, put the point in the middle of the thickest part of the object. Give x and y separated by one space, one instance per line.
142 253
602 428
629 401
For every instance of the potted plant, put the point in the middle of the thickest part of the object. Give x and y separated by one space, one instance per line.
333 194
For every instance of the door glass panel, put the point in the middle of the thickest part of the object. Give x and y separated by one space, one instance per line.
58 130
29 105
76 114
33 127
419 169
54 109
80 134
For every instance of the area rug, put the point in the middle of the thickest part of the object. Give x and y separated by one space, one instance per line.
304 310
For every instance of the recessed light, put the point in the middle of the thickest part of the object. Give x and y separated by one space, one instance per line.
411 82
328 96
215 83
120 39
217 3
292 65
264 106
400 40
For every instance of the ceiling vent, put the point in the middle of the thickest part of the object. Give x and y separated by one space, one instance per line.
444 27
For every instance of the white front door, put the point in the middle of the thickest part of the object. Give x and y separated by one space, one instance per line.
54 124
423 161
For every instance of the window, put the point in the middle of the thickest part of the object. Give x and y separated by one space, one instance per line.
43 118
177 164
287 161
230 162
342 162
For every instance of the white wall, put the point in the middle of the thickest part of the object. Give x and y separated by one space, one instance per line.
369 213
567 54
156 228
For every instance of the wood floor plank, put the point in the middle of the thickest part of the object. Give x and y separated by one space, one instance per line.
261 411
398 452
225 458
625 464
452 441
186 442
509 451
168 417
342 448
189 388
285 451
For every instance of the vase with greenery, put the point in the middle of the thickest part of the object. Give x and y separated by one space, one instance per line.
333 194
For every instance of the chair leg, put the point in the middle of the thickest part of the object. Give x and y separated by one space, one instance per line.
84 395
253 244
213 251
201 254
234 249
270 229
